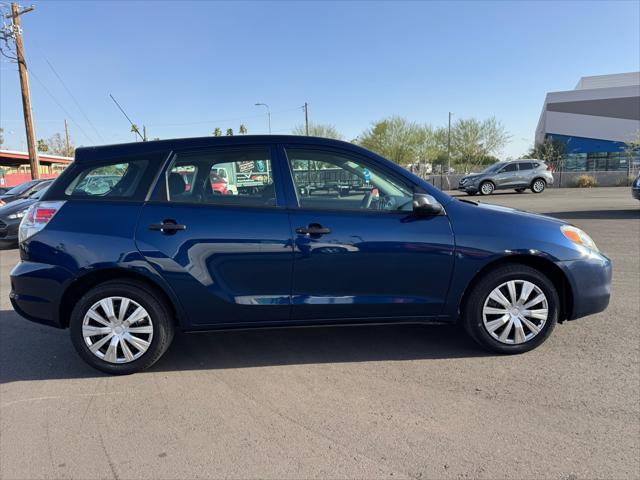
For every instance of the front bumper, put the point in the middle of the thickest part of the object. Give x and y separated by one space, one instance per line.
468 187
590 281
9 231
635 192
36 291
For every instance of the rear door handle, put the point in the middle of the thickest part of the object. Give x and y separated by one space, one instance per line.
313 229
167 227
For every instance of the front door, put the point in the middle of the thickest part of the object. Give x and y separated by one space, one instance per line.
359 250
227 254
508 176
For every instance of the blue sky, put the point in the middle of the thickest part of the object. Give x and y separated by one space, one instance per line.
184 68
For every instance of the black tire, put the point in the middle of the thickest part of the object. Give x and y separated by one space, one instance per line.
471 314
159 315
487 188
520 190
471 193
538 185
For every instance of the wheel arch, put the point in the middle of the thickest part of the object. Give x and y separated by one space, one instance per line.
89 280
544 266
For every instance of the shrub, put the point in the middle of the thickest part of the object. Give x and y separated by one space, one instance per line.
585 181
625 181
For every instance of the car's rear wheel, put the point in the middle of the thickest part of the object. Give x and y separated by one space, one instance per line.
487 188
511 309
121 327
471 193
538 185
520 190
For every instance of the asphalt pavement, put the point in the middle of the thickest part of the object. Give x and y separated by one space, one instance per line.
351 402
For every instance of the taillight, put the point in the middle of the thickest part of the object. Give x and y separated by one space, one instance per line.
36 218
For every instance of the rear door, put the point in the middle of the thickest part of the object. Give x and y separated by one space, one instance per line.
228 257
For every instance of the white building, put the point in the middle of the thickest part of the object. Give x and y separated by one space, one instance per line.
594 121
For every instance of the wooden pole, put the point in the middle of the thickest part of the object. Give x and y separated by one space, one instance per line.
306 117
24 87
66 134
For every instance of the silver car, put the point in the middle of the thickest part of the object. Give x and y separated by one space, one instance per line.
515 174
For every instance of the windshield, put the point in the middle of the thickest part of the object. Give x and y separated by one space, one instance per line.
493 168
39 193
23 187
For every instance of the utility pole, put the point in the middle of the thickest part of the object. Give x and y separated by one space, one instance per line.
24 87
66 134
306 117
449 146
144 133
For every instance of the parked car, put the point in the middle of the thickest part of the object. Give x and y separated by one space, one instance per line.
635 188
11 215
124 269
4 190
516 174
23 190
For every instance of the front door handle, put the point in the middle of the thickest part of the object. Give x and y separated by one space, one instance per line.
313 229
168 227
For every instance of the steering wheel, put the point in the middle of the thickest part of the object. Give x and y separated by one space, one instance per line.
366 200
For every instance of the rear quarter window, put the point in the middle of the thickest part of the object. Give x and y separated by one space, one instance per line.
118 179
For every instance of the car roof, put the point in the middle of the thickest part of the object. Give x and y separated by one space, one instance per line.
105 152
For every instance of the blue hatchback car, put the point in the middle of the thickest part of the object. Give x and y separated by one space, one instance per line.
304 231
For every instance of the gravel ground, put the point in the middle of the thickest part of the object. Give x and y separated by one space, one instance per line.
356 402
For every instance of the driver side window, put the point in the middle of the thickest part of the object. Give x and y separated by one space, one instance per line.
329 181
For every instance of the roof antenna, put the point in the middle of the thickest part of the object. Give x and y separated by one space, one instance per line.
134 128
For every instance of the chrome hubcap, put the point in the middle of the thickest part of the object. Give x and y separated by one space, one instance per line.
117 329
487 188
538 186
515 312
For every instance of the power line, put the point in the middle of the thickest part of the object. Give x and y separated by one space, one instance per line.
133 125
220 120
87 136
73 98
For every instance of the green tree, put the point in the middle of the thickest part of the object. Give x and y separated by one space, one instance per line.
58 146
473 140
551 151
229 132
324 130
217 132
242 129
394 138
42 145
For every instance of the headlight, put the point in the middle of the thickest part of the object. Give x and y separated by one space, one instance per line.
20 214
578 237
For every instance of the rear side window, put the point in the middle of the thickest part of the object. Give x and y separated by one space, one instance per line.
123 179
527 165
241 177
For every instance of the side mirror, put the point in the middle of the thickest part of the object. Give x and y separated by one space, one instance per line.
424 204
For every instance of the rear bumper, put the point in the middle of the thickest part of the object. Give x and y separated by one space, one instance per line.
590 281
36 291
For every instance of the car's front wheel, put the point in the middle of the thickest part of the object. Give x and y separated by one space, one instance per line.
487 188
121 327
511 309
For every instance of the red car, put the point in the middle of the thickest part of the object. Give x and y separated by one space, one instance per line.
219 184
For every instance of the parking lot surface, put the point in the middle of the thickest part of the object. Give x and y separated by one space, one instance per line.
351 402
